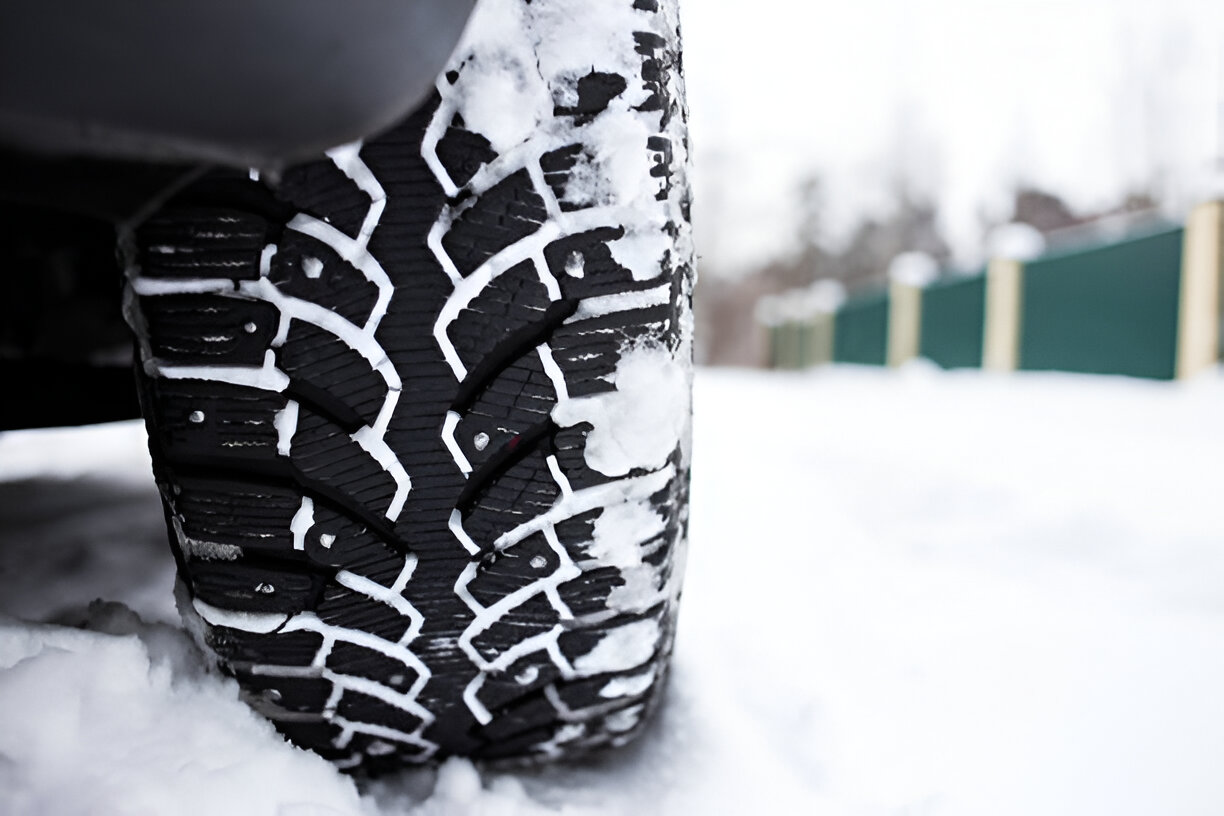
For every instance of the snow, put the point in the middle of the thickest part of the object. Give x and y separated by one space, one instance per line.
621 649
915 269
639 424
909 592
286 421
642 253
500 89
124 719
1015 242
515 64
619 528
822 297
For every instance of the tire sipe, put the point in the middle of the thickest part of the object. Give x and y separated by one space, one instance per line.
419 410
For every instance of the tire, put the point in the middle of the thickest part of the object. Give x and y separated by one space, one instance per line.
419 412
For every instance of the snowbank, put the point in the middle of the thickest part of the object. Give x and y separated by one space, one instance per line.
125 719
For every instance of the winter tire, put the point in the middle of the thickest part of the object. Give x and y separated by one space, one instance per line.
419 412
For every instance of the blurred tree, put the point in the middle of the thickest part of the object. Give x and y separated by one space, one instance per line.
1046 211
911 226
1042 210
727 330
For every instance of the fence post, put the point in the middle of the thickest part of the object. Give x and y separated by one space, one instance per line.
1001 333
904 322
821 348
1198 324
908 274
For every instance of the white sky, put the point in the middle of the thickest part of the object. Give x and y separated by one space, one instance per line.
1088 98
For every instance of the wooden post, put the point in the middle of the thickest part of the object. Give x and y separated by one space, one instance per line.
1198 323
904 322
1004 301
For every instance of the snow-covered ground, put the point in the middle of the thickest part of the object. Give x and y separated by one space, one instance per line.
913 593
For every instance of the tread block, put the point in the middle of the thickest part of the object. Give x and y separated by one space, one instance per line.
215 423
348 658
351 610
654 72
338 540
595 91
530 618
512 301
583 693
663 159
306 268
506 213
580 527
321 189
518 398
246 588
301 694
463 152
501 574
327 456
523 491
277 649
588 593
588 351
569 446
326 369
525 678
202 242
250 515
209 329
521 718
362 708
601 274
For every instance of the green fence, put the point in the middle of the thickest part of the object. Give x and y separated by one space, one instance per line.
1106 310
953 320
860 330
1117 308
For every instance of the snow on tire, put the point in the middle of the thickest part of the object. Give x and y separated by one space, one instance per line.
420 411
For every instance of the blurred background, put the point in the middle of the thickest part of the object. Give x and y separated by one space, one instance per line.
966 592
829 138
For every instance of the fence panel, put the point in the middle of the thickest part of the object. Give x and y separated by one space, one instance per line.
953 318
1106 310
860 333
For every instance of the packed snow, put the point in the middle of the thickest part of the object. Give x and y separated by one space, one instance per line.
1015 242
639 424
908 593
915 269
